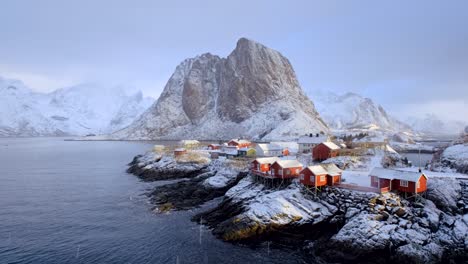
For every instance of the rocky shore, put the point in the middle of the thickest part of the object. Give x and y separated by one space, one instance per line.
347 225
202 181
336 225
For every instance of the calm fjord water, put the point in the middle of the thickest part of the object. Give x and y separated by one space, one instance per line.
72 202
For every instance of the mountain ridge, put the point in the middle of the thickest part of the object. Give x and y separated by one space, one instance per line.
253 92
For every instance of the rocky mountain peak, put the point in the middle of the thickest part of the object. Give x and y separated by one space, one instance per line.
232 93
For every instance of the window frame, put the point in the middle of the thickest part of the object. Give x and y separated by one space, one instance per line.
404 183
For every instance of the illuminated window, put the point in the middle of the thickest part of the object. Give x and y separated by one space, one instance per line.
322 178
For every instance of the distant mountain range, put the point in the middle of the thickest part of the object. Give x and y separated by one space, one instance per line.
353 111
252 93
78 110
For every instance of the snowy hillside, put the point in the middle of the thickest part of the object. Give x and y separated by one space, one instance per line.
252 93
78 110
352 111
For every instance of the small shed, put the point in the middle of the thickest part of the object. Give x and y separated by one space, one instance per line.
324 151
398 180
247 152
285 169
179 152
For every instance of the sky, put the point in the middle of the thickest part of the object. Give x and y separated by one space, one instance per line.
409 56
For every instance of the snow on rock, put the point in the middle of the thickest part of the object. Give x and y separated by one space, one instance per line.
444 192
253 93
456 158
352 111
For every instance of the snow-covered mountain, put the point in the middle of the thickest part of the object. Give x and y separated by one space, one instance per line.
431 124
78 110
253 92
353 111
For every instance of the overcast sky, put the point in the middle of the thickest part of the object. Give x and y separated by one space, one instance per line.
409 56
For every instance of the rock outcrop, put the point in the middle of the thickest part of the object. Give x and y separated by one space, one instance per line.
253 92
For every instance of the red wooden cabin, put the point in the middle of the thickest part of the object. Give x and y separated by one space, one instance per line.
286 169
240 143
179 152
263 164
324 151
320 175
313 176
333 174
214 146
397 180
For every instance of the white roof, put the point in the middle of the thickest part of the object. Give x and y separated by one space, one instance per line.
269 160
317 170
396 174
230 151
179 149
290 145
240 141
331 169
331 145
312 140
189 142
289 163
269 147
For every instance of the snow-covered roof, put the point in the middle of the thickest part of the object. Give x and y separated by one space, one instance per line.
230 151
390 149
240 141
290 145
289 163
331 169
179 149
312 140
396 174
331 145
269 160
189 142
317 170
269 147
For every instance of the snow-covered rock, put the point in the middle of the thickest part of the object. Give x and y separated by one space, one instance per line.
253 93
352 111
78 110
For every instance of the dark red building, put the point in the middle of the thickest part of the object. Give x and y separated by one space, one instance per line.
397 180
324 151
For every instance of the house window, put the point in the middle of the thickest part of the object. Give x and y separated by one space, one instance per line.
287 172
418 185
322 178
403 183
280 172
302 176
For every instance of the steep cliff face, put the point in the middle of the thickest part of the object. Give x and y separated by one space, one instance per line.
253 92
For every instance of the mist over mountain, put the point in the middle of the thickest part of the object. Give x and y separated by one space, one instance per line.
78 110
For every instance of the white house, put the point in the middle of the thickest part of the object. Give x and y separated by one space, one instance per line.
269 150
306 143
